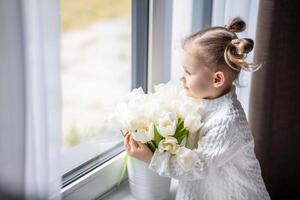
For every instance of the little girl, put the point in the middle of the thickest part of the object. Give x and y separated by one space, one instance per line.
225 166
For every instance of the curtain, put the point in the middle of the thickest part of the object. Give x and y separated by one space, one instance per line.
275 97
222 12
30 107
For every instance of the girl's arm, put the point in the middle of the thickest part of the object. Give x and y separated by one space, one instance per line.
219 145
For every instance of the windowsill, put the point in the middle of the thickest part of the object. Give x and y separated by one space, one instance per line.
96 182
124 193
100 183
81 153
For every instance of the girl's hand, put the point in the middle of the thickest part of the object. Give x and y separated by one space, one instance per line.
137 149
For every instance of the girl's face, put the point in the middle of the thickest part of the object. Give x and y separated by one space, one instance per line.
197 80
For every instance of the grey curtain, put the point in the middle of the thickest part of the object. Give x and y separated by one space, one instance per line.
274 112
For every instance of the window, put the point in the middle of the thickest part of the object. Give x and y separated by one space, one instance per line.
96 74
119 42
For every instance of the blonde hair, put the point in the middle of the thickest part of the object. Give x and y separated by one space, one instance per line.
220 46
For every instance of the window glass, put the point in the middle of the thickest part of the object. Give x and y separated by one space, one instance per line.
96 73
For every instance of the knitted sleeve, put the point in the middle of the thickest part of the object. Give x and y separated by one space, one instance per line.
219 145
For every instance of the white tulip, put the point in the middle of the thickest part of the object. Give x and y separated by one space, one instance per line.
136 94
185 158
169 144
144 133
155 109
164 107
120 117
167 88
193 122
185 107
168 91
167 124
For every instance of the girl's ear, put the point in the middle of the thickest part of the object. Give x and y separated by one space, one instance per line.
219 79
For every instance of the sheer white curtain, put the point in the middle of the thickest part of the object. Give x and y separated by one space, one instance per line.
223 11
30 119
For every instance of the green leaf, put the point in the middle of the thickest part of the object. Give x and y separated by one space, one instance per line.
157 137
183 141
122 132
181 132
151 146
180 125
123 170
181 138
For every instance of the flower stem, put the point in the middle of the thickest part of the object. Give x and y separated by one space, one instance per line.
151 146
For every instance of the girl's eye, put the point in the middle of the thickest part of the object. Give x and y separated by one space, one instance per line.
187 72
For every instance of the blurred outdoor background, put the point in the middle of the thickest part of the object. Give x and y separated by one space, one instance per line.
96 64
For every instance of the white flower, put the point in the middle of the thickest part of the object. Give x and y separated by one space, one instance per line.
155 109
136 94
185 158
144 133
185 107
120 117
193 122
168 144
164 107
169 90
129 115
167 124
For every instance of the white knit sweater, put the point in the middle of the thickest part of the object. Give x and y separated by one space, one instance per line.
226 167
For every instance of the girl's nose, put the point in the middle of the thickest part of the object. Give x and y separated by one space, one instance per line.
182 78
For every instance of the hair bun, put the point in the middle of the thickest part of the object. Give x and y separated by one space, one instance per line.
236 25
236 52
243 45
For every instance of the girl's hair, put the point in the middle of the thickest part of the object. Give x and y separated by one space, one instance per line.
220 46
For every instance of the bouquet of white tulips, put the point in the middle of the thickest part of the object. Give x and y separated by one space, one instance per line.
162 120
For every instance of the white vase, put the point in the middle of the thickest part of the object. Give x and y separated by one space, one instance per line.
144 183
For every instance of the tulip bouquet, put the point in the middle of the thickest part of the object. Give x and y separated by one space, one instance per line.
166 120
162 120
